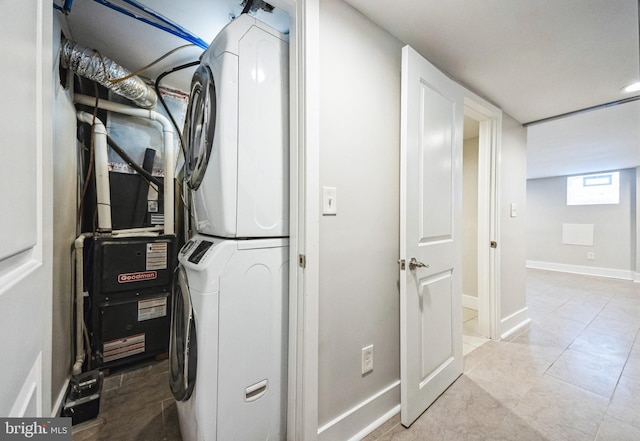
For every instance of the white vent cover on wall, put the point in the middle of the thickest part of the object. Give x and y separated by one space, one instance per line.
577 234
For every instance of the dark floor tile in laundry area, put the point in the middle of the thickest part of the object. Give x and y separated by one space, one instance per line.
170 420
136 405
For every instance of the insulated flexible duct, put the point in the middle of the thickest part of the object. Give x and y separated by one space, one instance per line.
90 64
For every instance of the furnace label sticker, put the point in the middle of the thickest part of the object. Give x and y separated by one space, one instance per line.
123 347
157 254
152 308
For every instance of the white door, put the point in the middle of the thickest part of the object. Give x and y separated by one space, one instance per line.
26 81
430 207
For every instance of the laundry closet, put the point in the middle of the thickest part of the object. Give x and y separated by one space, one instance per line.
181 221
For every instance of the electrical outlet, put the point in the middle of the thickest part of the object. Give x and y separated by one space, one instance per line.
367 359
591 255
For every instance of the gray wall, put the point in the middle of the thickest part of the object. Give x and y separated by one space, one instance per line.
359 154
614 225
64 226
470 217
512 241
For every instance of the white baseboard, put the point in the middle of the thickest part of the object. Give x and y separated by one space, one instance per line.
57 406
470 302
586 270
636 277
514 322
364 418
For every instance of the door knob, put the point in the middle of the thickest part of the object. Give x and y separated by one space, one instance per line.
413 264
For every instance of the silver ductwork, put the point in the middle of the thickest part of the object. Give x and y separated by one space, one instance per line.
90 64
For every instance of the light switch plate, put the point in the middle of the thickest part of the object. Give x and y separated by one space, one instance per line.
514 210
329 201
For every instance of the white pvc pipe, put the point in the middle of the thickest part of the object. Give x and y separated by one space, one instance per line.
79 299
101 166
169 159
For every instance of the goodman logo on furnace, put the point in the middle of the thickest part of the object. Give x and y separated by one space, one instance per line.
40 429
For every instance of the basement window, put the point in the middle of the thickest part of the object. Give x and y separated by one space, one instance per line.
595 189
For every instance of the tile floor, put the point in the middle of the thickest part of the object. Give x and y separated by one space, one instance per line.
136 405
572 375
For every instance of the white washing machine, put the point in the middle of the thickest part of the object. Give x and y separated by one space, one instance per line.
237 127
228 339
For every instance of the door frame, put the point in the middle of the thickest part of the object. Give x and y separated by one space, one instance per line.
304 226
489 144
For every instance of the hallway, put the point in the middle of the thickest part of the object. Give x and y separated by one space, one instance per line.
574 374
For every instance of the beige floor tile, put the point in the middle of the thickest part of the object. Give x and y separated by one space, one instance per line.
464 412
478 355
613 429
625 404
536 335
579 311
506 380
537 355
632 368
562 326
615 327
514 428
594 342
596 373
559 410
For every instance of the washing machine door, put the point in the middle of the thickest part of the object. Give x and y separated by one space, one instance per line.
183 347
200 125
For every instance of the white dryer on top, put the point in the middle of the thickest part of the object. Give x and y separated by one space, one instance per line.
237 152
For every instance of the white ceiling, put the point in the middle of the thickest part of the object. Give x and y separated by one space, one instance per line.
606 139
535 59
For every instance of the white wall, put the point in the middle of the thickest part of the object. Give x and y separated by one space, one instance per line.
470 217
512 241
64 225
359 247
614 228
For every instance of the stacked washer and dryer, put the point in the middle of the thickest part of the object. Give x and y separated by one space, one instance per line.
228 351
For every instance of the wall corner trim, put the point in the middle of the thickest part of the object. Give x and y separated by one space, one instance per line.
364 417
513 323
469 301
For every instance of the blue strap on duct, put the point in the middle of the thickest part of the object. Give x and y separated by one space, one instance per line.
157 21
66 8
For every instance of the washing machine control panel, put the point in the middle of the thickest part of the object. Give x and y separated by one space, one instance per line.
200 251
187 247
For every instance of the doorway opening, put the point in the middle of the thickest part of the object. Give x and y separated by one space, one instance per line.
479 225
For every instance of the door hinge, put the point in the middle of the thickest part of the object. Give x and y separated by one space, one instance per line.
402 264
302 261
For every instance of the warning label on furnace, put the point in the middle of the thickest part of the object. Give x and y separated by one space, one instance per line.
152 308
157 256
